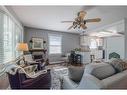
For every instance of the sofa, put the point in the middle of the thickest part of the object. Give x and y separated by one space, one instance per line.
95 76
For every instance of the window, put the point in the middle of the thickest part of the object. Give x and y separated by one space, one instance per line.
55 42
7 39
93 44
11 34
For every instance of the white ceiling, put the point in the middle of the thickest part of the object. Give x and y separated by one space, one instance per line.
50 17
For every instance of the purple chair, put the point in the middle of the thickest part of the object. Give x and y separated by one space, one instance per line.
20 81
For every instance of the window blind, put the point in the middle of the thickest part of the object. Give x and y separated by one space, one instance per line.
55 42
11 34
1 38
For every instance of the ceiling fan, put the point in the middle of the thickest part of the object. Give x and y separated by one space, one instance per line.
80 21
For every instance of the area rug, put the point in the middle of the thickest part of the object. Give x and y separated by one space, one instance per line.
56 74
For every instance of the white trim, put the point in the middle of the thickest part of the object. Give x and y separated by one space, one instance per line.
56 62
5 10
106 26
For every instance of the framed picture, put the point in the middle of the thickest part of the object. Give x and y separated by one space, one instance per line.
37 43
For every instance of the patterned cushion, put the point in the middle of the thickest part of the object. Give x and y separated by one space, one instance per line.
28 57
30 69
114 55
21 63
100 70
118 64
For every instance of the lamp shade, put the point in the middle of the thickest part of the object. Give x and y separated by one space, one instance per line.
22 47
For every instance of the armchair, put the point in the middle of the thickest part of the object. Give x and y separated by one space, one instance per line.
30 61
25 80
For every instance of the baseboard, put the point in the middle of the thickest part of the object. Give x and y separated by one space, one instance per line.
56 62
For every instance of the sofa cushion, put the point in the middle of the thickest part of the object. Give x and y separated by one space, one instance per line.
100 70
76 73
117 81
67 83
118 64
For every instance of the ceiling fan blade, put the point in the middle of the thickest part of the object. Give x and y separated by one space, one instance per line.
70 27
93 20
67 21
121 33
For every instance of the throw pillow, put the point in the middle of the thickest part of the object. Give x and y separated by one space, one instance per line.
118 64
30 69
125 64
21 63
100 70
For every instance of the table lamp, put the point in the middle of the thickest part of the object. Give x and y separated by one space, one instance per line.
22 47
